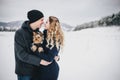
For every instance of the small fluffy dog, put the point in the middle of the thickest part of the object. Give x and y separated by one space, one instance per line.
37 42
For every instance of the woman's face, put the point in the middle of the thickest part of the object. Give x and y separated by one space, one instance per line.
47 24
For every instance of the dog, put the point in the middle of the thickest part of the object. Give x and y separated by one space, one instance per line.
37 42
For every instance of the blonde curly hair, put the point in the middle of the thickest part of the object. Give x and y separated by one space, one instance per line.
54 33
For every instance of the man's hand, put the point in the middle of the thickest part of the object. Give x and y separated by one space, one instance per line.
45 63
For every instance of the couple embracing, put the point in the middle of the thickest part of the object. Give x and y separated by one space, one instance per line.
38 62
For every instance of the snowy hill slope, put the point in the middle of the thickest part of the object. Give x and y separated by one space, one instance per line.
14 25
89 54
107 21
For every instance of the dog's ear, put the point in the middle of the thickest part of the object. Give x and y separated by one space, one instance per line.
34 33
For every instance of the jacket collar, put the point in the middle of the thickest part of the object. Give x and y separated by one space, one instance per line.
26 25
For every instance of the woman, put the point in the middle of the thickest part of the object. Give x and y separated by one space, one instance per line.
52 44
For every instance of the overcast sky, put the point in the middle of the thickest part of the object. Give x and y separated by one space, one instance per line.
73 12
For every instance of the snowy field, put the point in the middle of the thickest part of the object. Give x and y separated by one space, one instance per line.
89 54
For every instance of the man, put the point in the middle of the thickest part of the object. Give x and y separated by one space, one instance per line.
25 61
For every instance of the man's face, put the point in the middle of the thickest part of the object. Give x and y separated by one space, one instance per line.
39 22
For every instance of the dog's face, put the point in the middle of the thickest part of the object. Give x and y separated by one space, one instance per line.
37 37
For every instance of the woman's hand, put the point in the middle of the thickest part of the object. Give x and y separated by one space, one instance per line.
57 58
45 63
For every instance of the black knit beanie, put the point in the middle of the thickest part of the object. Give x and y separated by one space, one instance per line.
34 15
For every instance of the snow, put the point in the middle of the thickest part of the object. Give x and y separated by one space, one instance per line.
7 60
89 54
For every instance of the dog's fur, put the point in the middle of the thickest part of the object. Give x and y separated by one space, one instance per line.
37 41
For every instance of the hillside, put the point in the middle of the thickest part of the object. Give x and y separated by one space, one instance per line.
14 25
112 20
10 26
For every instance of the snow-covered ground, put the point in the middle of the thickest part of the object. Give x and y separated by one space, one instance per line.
89 54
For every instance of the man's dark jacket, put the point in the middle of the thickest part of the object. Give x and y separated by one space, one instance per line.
25 60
